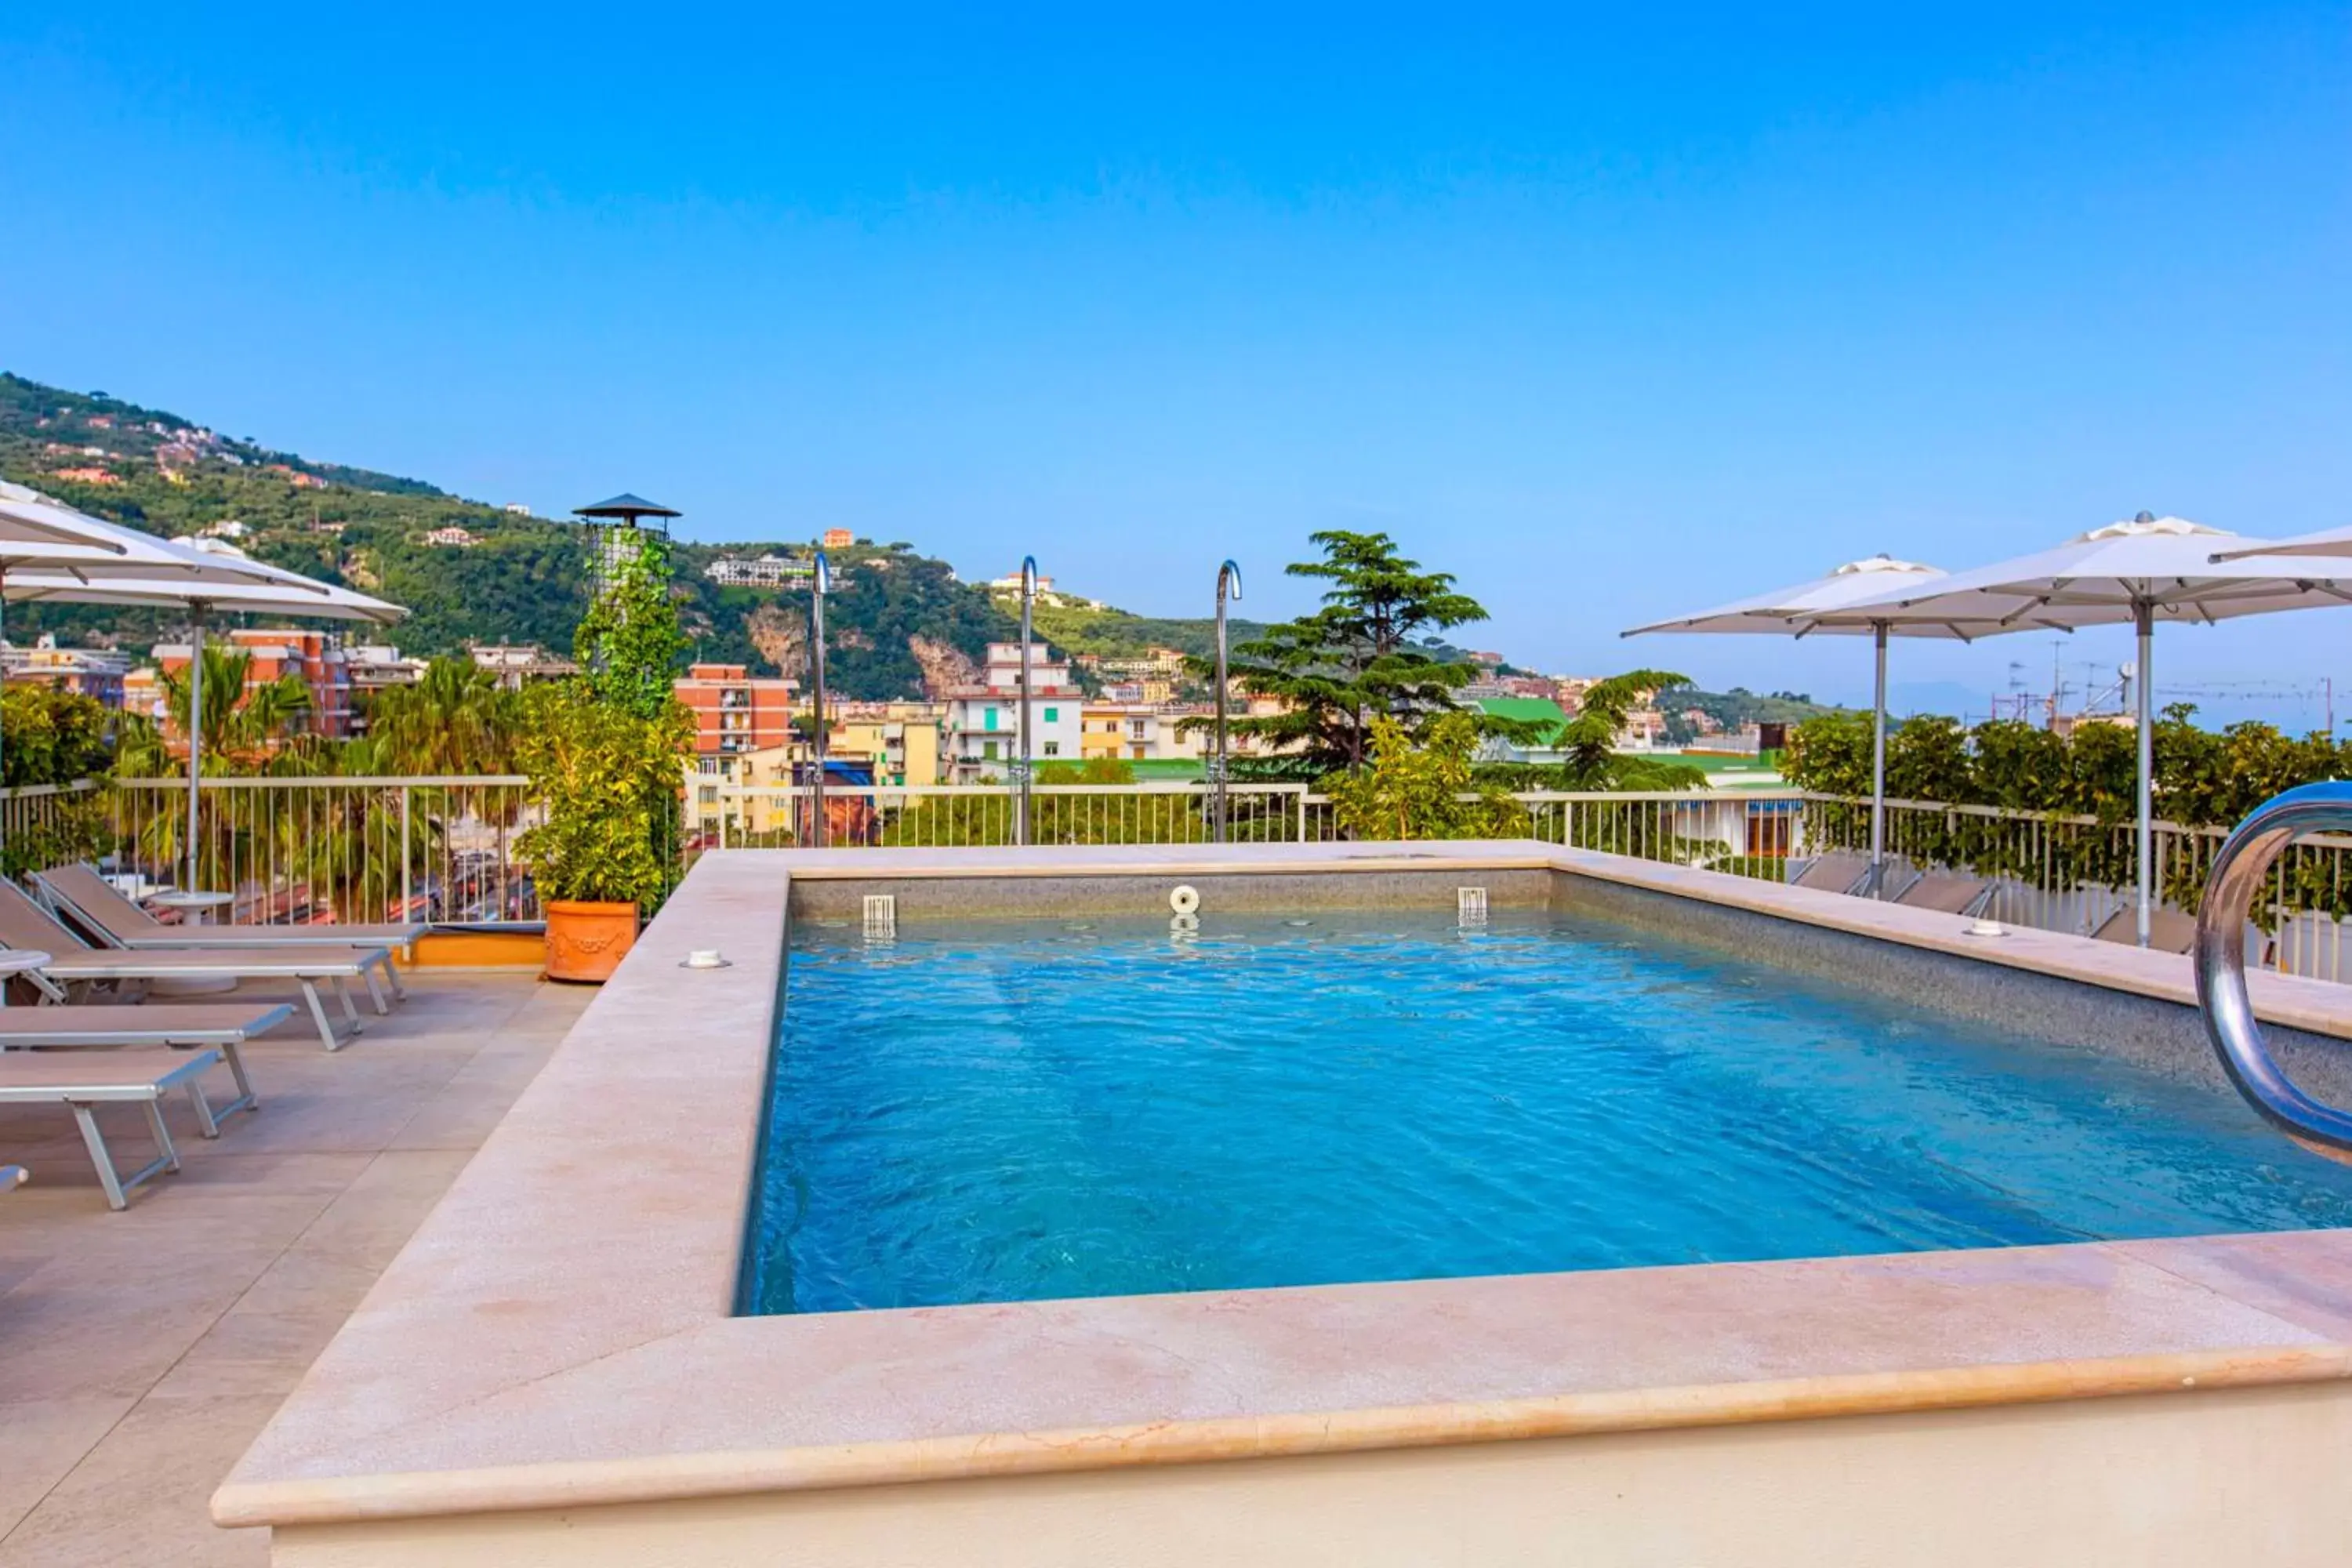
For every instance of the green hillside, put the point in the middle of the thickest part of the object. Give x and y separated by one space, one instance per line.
1116 634
900 623
895 614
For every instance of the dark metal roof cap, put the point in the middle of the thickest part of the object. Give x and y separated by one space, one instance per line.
626 507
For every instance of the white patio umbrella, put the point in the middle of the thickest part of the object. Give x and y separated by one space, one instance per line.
2147 570
1794 611
2326 542
259 589
38 533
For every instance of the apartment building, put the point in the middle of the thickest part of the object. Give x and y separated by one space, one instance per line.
901 743
1142 731
735 710
983 722
314 657
763 572
518 664
375 667
91 671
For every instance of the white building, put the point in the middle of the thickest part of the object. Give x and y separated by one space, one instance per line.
452 536
515 664
983 722
766 571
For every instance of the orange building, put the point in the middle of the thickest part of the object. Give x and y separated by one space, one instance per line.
735 710
839 539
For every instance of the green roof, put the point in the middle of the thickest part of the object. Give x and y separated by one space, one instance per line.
1167 768
1526 711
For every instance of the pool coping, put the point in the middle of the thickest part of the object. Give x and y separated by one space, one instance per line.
559 1332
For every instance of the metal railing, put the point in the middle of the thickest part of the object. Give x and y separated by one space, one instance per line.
39 823
1749 832
306 850
442 848
754 817
2057 871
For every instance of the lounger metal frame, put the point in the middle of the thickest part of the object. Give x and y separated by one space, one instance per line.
58 902
229 1041
83 1099
250 965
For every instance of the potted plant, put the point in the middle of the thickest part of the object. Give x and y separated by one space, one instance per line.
604 753
605 781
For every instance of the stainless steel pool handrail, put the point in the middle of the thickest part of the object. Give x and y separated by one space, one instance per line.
2237 874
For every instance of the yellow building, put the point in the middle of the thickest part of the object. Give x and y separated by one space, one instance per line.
713 783
900 740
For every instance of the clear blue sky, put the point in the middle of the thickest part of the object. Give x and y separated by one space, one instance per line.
1612 316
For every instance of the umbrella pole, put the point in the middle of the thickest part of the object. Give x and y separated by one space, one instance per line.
1878 767
4 668
195 734
2144 623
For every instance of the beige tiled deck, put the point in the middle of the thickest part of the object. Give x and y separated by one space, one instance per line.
140 1352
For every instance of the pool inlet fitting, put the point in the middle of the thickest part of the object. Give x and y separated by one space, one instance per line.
1184 898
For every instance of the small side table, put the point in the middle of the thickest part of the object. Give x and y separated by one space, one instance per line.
16 962
194 904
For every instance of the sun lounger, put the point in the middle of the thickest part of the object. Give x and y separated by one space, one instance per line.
1943 891
224 1027
81 1083
1835 872
118 921
24 925
2168 931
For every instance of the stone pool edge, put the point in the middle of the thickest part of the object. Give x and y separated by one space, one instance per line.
557 1328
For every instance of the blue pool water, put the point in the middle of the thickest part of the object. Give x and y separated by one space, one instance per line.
1021 1111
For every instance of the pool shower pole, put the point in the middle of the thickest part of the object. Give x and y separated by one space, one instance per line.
1028 598
1226 574
820 583
1878 768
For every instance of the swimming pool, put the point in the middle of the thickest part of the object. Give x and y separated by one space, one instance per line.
1003 1110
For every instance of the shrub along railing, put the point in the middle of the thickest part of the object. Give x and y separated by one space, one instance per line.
442 848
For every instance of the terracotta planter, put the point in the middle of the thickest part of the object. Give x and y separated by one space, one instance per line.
586 941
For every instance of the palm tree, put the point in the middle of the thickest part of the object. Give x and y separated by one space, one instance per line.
244 733
456 719
348 844
242 730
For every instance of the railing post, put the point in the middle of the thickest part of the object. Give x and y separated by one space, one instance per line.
407 891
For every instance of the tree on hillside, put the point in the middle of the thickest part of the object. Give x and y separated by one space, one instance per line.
1588 743
1360 658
